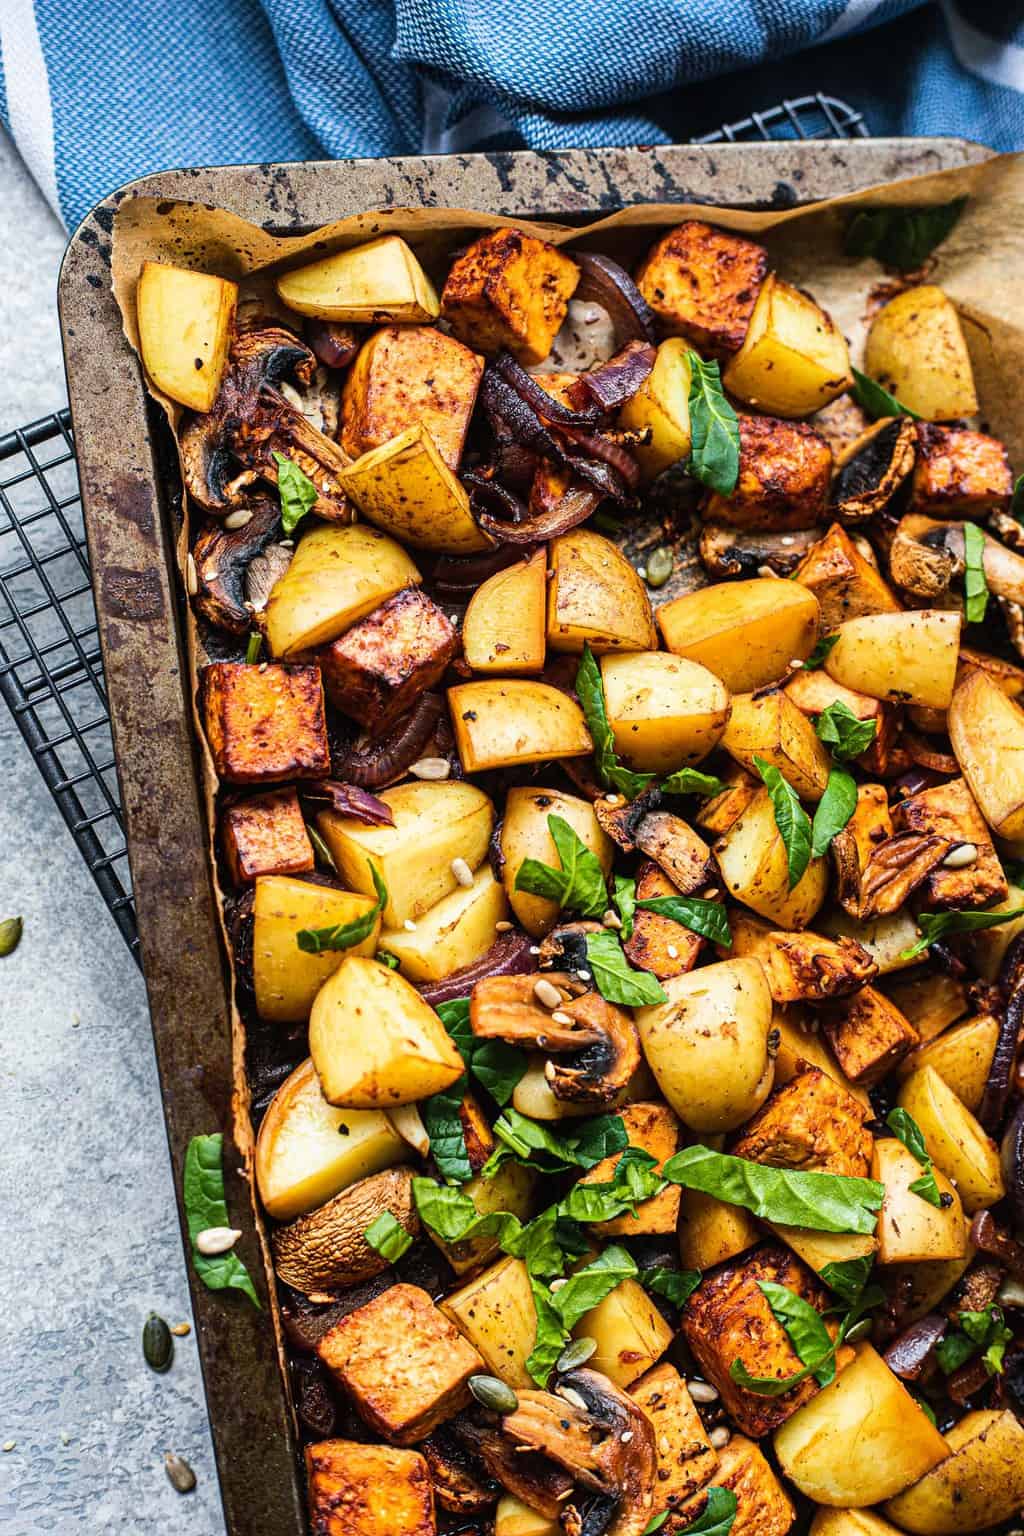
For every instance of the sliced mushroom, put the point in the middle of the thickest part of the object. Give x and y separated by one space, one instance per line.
565 949
676 848
226 450
607 1444
326 1251
727 553
509 1008
460 1482
533 1478
926 555
873 468
619 817
223 557
264 572
597 1074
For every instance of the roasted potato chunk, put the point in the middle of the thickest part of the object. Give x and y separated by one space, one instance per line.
769 726
686 1457
377 670
752 858
702 283
763 1507
812 693
979 1485
930 1000
908 657
402 1362
811 1123
265 723
186 321
595 597
745 632
728 1318
337 576
509 290
950 810
659 943
368 1490
959 472
845 584
367 284
801 967
962 1056
265 835
916 350
406 374
869 1035
910 1229
794 359
719 813
785 469
655 1129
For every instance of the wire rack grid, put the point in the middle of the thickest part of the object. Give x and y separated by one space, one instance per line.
51 673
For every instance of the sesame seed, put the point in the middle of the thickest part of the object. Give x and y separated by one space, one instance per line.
558 1017
672 952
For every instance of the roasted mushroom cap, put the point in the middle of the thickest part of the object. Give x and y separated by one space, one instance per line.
233 445
326 1251
531 1477
600 1435
873 468
223 557
926 556
597 1074
726 553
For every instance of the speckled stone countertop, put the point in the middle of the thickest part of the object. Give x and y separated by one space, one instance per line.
88 1226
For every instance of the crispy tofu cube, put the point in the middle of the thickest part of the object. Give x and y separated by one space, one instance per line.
407 374
659 943
509 290
654 1128
951 811
703 283
810 1123
265 723
728 1318
402 1362
476 1132
784 477
368 1490
845 584
686 1457
800 967
378 668
265 835
869 1036
812 692
958 472
719 813
763 1507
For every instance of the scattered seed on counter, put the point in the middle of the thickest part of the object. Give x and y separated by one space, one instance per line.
182 1330
179 1474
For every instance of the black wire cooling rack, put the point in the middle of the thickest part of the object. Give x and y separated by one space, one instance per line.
51 674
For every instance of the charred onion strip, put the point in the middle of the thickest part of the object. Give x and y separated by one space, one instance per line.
990 1238
509 955
550 410
379 761
912 1353
350 800
616 381
574 508
603 281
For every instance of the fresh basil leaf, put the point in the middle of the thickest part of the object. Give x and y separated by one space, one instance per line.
954 1351
906 1129
847 1277
714 429
978 1333
833 810
454 1015
496 1065
536 1145
655 1523
676 1285
539 879
820 654
313 941
875 400
841 731
824 1202
925 1406
792 820
689 781
616 979
559 1311
708 918
205 1206
388 1237
590 692
805 1328
387 959
443 1124
634 1180
453 1217
1017 500
625 902
975 585
771 1386
297 493
717 1516
935 925
578 886
901 237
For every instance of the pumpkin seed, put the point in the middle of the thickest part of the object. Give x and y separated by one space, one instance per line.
860 1330
575 1354
320 848
179 1473
10 935
660 566
494 1394
157 1344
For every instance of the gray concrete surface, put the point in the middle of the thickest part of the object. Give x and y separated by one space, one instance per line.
88 1233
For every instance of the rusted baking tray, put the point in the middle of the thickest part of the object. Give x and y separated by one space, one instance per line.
130 494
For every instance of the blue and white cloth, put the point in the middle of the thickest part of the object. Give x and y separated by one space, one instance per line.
97 92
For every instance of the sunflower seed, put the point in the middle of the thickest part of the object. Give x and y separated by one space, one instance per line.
659 567
572 1396
157 1344
575 1354
179 1473
214 1240
238 519
10 935
191 575
430 768
462 872
493 1394
703 1391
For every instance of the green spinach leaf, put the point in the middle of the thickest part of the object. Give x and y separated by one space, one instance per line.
590 692
848 1277
496 1065
578 886
792 820
975 585
805 1328
875 400
833 811
714 429
205 1207
625 902
708 918
297 493
902 237
388 1237
935 925
906 1129
978 1333
824 1202
538 1146
560 1310
843 734
313 941
443 1124
676 1285
820 654
690 781
616 979
634 1180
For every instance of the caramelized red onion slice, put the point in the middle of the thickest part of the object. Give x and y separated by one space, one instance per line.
618 380
350 800
912 1352
987 1235
1012 1160
603 281
1000 1073
574 508
513 418
484 489
596 446
334 344
509 955
455 575
534 395
379 761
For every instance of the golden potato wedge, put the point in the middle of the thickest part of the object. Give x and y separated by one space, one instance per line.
374 1042
662 403
702 283
850 1522
367 284
771 727
908 657
514 1518
956 1141
511 1189
980 1484
886 939
664 711
863 1438
711 1231
819 1249
630 1333
285 978
185 321
509 290
595 596
745 632
844 582
504 629
406 488
910 1229
408 375
303 1158
986 730
752 858
338 574
525 835
515 720
916 350
454 933
801 1043
434 823
793 359
961 1056
495 1312
988 946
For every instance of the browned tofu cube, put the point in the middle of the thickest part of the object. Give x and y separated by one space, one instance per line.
655 1128
930 1002
702 283
763 1507
844 582
402 1362
722 811
800 967
407 374
659 943
377 669
686 1457
959 472
265 835
869 1036
476 1132
368 1490
728 1318
811 1123
785 470
813 691
509 291
951 811
265 723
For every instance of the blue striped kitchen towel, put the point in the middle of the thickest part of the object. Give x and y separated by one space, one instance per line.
96 92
